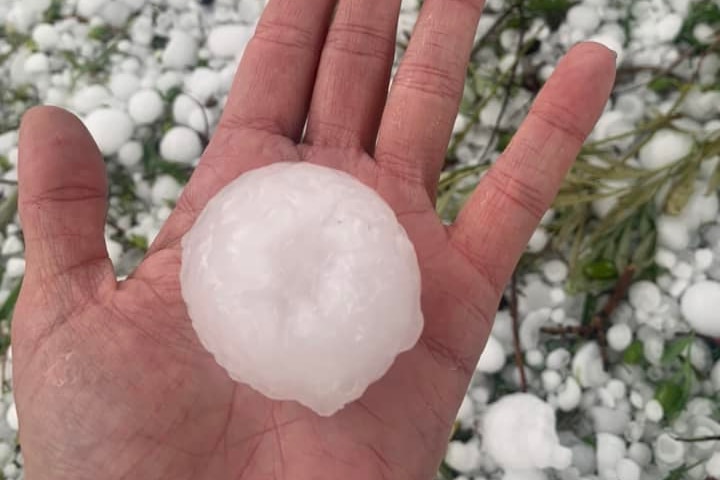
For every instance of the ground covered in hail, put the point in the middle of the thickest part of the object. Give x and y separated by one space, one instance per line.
616 297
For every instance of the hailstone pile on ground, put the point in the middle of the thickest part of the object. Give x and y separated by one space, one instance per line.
302 283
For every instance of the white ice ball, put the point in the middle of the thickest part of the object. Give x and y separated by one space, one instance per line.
110 128
302 283
538 445
665 148
228 40
492 359
700 306
181 145
146 106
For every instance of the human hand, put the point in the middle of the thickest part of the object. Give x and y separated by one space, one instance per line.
110 379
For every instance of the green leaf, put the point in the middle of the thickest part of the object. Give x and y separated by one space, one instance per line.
9 306
680 194
672 397
139 242
634 354
601 270
676 348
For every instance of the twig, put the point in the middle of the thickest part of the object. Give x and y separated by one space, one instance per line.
711 438
598 326
516 332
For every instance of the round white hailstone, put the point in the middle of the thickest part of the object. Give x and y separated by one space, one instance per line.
703 259
466 411
557 359
181 145
165 189
228 40
45 37
617 388
682 270
628 470
183 108
203 84
531 325
672 233
124 85
11 417
534 358
640 453
116 14
280 277
538 241
700 305
583 458
653 348
568 396
610 449
654 411
703 33
12 246
665 258
530 474
555 271
587 366
463 457
712 467
645 296
5 452
665 148
619 337
90 98
10 470
701 208
89 8
8 141
668 27
110 128
668 451
537 447
493 357
181 51
200 121
15 268
37 64
146 106
551 380
130 154
584 18
677 288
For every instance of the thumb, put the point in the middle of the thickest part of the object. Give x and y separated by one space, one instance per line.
62 202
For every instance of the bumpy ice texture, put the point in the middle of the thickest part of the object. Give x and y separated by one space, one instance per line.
302 283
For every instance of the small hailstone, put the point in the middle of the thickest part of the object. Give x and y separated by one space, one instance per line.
110 129
10 470
181 145
699 306
90 98
226 41
583 458
183 107
124 85
114 249
645 296
8 141
583 17
492 359
37 63
628 470
558 315
538 241
558 359
466 412
617 388
15 268
45 37
654 411
701 208
203 84
664 148
534 358
640 453
712 467
587 366
537 447
12 246
678 287
279 274
653 348
146 106
668 451
181 51
619 337
668 27
524 474
11 417
165 189
672 233
610 449
89 8
463 457
551 380
703 259
704 33
568 395
555 271
130 154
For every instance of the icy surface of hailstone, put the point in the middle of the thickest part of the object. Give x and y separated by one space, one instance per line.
302 283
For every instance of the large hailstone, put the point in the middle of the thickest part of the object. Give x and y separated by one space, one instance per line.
302 283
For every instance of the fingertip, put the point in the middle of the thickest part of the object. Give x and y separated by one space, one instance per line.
44 120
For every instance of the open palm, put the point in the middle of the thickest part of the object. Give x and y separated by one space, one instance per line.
110 379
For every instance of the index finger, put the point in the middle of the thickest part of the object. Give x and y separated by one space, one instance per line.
496 224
